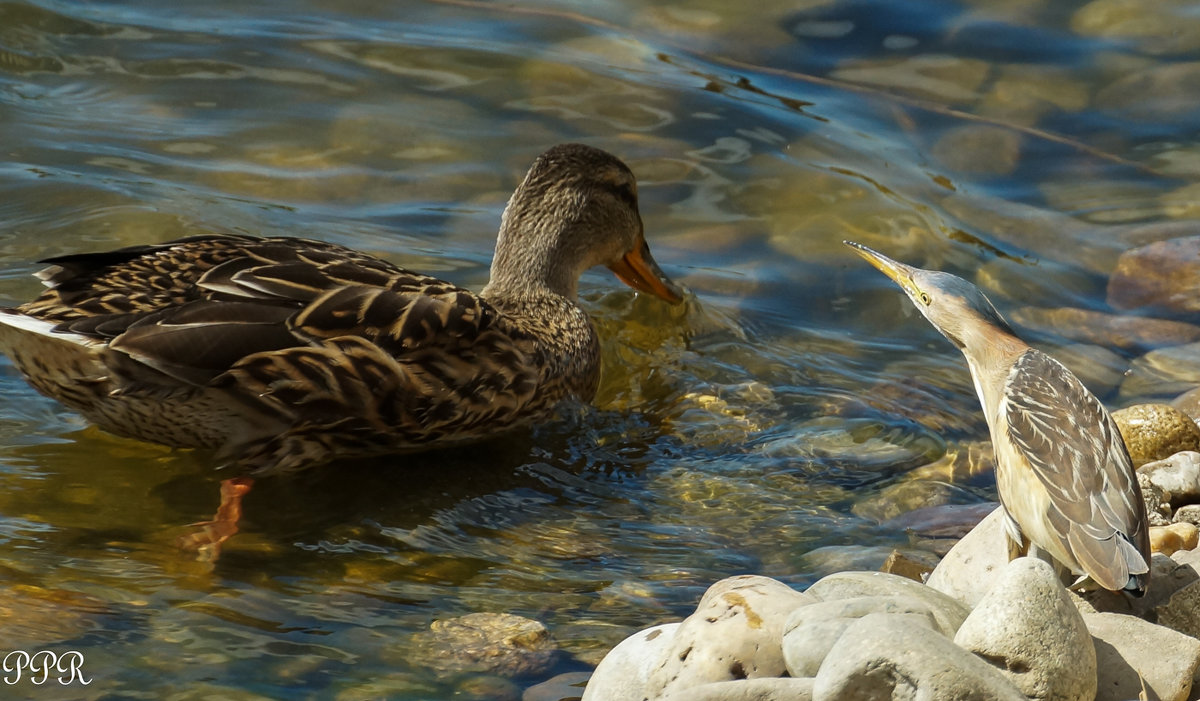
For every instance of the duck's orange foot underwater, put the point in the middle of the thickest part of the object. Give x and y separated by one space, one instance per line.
207 537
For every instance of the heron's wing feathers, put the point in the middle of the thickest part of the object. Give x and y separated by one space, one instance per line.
1076 452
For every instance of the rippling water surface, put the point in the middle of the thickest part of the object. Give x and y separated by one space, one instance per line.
770 427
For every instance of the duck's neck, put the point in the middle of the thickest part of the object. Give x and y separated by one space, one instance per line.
528 263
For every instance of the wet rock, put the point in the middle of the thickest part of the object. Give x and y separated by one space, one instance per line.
562 687
812 630
1158 506
1181 203
772 689
865 444
1188 402
1182 612
829 559
971 566
1024 94
1038 283
32 616
1028 628
492 643
1027 227
960 463
486 688
1178 474
905 566
1130 650
624 673
979 149
1100 201
1162 276
736 632
1166 371
945 78
1162 27
948 613
1170 539
947 521
1156 431
1133 333
886 657
909 495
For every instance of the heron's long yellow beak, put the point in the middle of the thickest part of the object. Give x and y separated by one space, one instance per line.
900 273
638 270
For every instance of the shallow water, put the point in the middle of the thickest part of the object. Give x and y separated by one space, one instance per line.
768 427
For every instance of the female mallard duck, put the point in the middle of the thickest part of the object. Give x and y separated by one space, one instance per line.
283 353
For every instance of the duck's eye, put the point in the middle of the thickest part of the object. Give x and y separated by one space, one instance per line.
925 298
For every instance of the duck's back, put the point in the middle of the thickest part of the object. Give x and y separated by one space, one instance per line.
282 352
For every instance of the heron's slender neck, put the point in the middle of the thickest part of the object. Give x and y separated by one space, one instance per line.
990 360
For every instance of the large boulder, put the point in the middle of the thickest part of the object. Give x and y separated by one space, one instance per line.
1130 651
812 630
1028 628
766 689
885 656
624 673
968 570
735 633
947 612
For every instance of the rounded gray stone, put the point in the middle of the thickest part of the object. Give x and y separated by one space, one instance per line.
812 630
1130 650
969 569
948 612
1028 628
883 657
767 689
1182 612
1178 475
1157 500
1188 513
624 672
735 633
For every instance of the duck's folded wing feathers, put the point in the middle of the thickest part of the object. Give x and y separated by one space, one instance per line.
199 340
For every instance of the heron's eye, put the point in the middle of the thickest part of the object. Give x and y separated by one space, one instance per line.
925 299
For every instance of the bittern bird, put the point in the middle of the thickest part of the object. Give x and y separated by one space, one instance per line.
1065 479
282 353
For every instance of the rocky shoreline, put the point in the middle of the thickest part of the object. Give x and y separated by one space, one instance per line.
976 627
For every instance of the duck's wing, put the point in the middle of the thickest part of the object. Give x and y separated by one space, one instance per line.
138 280
1075 450
420 360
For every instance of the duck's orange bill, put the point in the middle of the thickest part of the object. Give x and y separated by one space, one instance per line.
638 270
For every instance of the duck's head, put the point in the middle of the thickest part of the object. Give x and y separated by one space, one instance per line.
575 209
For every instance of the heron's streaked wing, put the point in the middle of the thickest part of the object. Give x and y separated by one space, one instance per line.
1076 452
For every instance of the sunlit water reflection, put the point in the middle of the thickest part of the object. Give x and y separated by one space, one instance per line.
769 427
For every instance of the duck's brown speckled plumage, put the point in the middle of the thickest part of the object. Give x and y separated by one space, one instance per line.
284 352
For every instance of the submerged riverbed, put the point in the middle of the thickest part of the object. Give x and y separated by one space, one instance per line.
774 425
